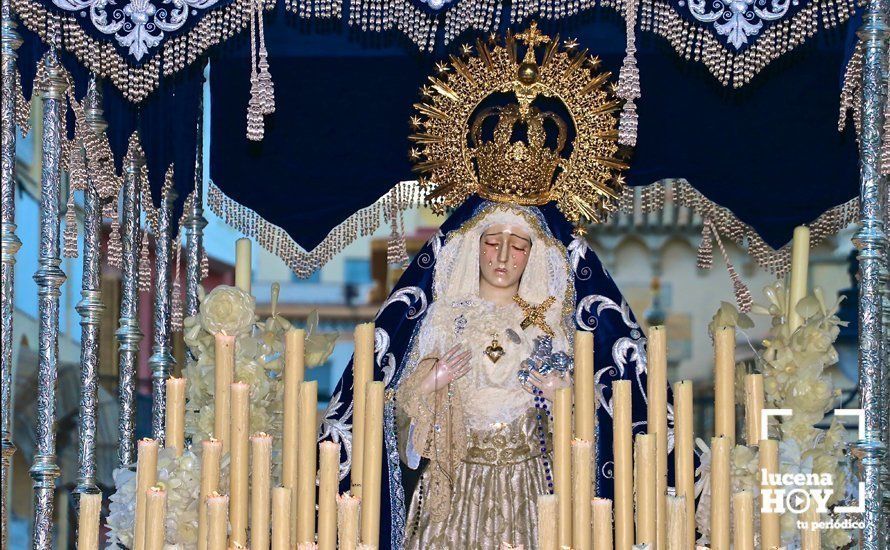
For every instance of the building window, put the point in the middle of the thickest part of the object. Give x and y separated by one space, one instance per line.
357 271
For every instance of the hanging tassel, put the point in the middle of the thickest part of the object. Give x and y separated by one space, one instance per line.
706 248
144 265
267 87
176 306
742 293
115 250
69 237
255 128
629 81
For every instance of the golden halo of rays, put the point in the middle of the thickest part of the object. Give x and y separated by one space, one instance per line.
588 185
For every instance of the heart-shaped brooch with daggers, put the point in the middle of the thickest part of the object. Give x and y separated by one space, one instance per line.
494 351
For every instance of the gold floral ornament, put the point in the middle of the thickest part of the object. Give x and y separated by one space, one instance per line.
455 161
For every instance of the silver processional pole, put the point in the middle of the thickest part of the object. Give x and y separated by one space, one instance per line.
128 334
870 241
195 224
90 307
161 361
10 243
49 278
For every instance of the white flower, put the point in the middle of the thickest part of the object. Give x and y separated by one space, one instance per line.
228 310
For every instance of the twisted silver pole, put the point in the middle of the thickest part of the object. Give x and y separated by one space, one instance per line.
870 241
90 309
49 278
10 245
195 224
161 360
128 334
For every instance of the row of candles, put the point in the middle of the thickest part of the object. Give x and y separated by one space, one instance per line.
642 511
282 517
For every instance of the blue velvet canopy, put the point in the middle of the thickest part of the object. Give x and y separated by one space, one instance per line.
769 151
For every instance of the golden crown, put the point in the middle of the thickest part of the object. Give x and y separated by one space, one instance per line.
454 160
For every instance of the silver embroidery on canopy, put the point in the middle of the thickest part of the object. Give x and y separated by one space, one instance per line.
139 25
738 19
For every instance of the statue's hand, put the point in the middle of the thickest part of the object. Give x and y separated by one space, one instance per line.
451 366
549 383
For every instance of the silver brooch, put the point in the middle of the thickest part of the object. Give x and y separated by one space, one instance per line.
460 323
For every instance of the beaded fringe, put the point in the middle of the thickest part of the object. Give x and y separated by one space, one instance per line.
692 41
721 223
403 196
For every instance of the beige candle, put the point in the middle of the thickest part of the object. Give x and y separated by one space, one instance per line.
675 520
644 488
224 354
602 523
155 518
260 487
584 387
676 538
328 478
720 493
562 463
581 456
656 392
347 522
797 288
216 516
174 427
770 524
238 481
623 456
211 452
724 383
243 264
281 497
88 521
753 408
372 464
547 514
684 467
294 370
743 521
363 372
146 477
810 537
306 461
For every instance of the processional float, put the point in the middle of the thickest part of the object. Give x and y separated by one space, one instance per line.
88 161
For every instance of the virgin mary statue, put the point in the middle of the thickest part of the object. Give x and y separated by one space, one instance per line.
478 333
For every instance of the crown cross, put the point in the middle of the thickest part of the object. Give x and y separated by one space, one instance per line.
532 38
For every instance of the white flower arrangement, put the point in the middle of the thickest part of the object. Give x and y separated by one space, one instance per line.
259 361
793 366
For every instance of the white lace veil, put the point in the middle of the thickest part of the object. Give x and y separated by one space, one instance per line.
546 274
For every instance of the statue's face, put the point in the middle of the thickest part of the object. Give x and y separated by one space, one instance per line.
503 255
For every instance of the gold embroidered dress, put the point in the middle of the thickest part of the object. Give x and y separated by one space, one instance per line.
490 485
